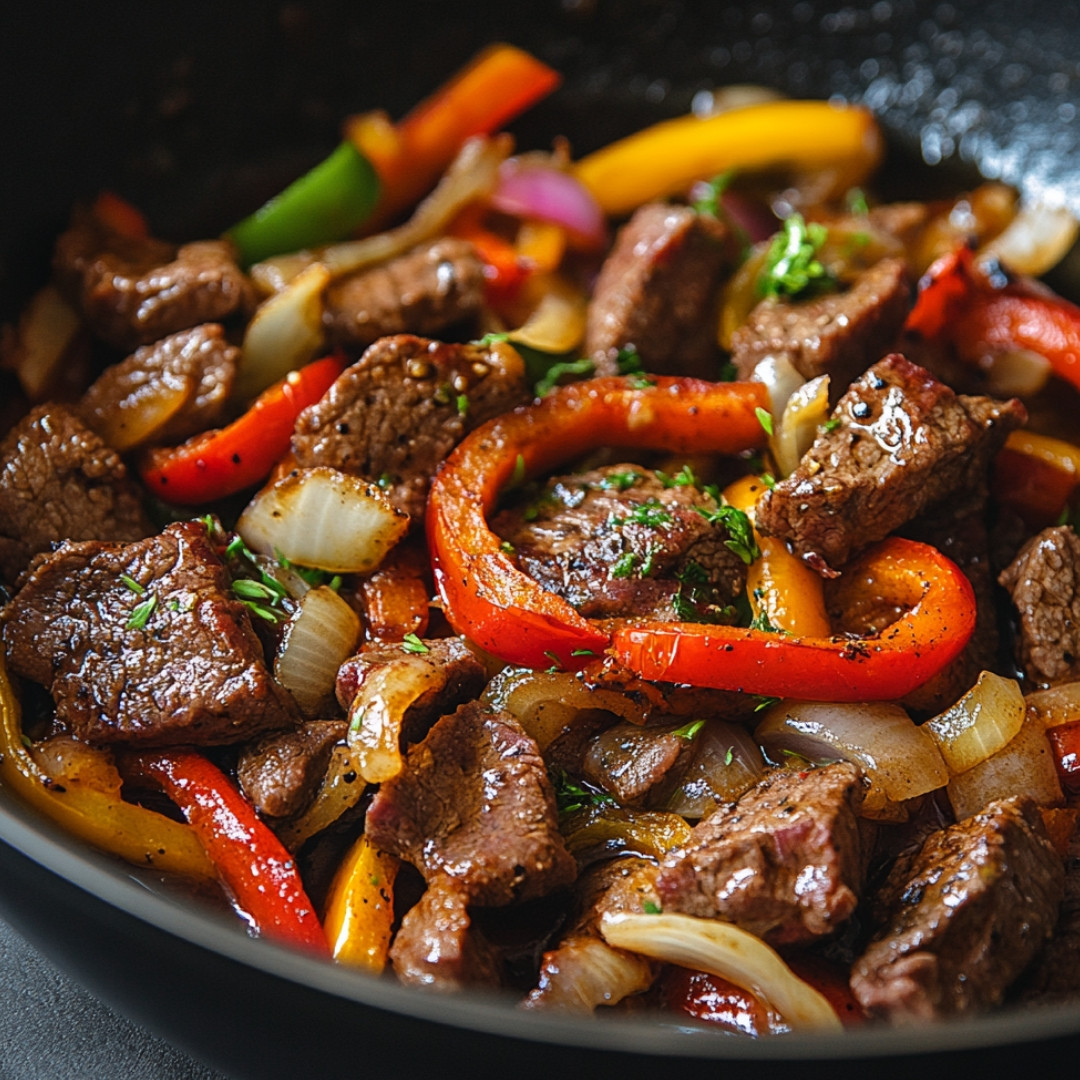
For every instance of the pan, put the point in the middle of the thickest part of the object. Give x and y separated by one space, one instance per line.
196 113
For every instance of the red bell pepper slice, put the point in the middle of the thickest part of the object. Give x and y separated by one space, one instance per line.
1065 740
221 462
255 867
485 596
938 622
958 304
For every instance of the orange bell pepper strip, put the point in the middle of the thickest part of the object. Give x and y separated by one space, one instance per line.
257 871
959 304
498 84
505 271
360 907
1036 476
224 461
484 594
142 837
780 586
668 157
937 623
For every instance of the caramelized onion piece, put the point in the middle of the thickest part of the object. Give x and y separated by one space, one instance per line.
726 763
624 830
984 720
1056 706
340 791
588 973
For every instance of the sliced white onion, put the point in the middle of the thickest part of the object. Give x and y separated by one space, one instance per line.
319 638
557 323
806 410
142 413
548 703
585 972
900 759
726 763
779 377
324 518
1016 373
340 791
1035 241
983 721
722 949
284 334
1056 706
36 350
1023 767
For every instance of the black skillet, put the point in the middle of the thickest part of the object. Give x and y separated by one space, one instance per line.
197 112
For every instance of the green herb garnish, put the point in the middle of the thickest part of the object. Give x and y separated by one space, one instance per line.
410 643
765 420
141 615
623 567
792 269
740 531
561 370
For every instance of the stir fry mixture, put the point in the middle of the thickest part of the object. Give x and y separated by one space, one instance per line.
637 580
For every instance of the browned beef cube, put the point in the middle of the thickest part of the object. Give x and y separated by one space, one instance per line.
1044 582
839 334
962 917
144 643
903 442
658 289
422 292
281 772
403 406
619 541
59 481
785 862
199 361
474 802
133 292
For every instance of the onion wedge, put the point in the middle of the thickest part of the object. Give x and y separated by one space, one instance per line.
983 721
324 518
725 950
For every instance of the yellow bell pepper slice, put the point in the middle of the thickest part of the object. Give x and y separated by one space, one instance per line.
668 157
140 836
780 586
360 907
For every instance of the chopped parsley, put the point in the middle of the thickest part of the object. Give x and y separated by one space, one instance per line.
620 481
385 481
556 663
683 478
582 652
141 615
309 574
728 372
711 191
623 567
571 796
650 907
507 548
792 269
462 404
689 731
492 339
410 643
831 424
561 370
761 622
132 584
628 362
356 722
651 514
762 702
729 757
740 531
856 202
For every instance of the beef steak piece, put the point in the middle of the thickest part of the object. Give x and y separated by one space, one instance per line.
403 406
424 291
135 291
474 803
200 362
620 541
59 481
902 443
839 334
281 772
1044 583
657 291
786 862
638 764
962 917
144 643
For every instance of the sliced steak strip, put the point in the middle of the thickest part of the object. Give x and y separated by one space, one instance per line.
903 443
839 334
133 292
1044 583
144 643
403 406
281 772
59 481
198 363
618 541
962 917
657 291
786 862
637 764
421 292
474 803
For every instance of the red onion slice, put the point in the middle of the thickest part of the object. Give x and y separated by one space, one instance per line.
547 194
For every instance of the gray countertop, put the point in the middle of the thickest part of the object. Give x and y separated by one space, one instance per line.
52 1027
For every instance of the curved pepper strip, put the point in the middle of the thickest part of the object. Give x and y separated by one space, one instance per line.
668 157
903 574
958 304
252 863
485 596
222 462
360 907
1036 475
140 836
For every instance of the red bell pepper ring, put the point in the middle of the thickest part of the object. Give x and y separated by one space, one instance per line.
958 304
937 624
484 594
255 867
219 463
